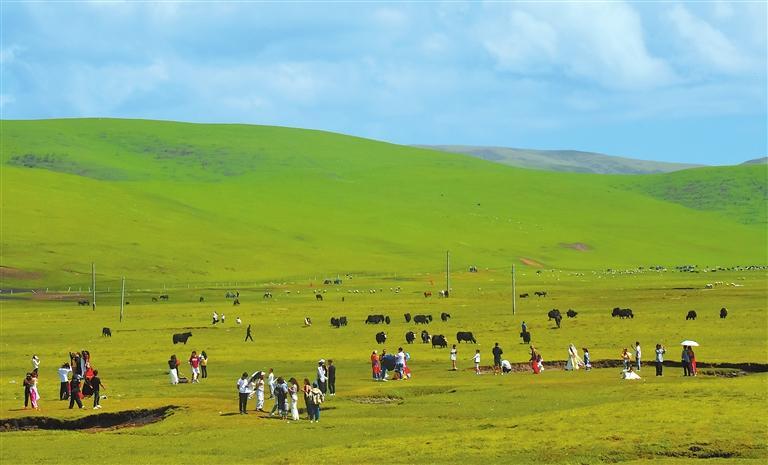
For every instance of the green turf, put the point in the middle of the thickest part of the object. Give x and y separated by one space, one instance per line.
164 203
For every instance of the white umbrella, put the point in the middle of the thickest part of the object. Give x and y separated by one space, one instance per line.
689 343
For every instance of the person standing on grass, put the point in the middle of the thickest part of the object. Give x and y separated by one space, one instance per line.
506 367
243 389
27 387
659 359
248 334
375 366
96 387
626 359
74 392
638 354
203 364
476 359
194 362
316 397
497 359
173 369
35 363
64 372
307 390
322 376
281 397
271 382
399 363
293 391
454 354
587 359
260 392
686 361
34 394
692 361
331 378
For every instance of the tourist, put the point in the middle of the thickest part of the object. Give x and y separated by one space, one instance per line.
524 328
243 389
223 318
95 383
34 394
64 372
214 318
248 334
271 382
659 359
74 392
35 363
331 378
630 373
375 366
281 394
316 397
638 354
260 392
454 354
626 359
238 320
399 362
686 361
534 361
476 359
194 362
692 361
322 376
387 363
587 360
506 367
497 359
203 364
307 390
173 369
573 358
293 390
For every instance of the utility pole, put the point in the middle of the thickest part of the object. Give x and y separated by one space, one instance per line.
514 293
122 298
448 272
93 283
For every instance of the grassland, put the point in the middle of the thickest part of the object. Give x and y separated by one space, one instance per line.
557 417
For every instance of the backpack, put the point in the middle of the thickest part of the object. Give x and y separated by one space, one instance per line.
317 397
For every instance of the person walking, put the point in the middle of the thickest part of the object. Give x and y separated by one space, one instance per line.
454 354
293 391
244 390
74 392
524 328
692 361
638 354
685 358
573 358
626 358
64 372
659 359
173 369
96 386
203 364
331 378
476 359
194 362
248 334
497 359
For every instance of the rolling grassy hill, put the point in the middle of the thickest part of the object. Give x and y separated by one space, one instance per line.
572 161
165 202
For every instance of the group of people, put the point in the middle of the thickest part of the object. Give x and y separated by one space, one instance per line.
198 364
382 364
80 369
286 393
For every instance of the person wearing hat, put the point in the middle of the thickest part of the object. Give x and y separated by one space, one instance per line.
322 376
74 392
244 390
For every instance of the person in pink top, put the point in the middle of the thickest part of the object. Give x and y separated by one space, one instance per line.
194 362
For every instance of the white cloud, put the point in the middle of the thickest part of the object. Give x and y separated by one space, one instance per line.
5 99
707 44
520 41
9 54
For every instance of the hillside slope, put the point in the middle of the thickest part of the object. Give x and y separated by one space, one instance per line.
165 202
572 161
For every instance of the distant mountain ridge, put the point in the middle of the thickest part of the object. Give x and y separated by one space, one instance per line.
573 161
756 161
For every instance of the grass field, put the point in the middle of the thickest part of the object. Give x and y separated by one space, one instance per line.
557 417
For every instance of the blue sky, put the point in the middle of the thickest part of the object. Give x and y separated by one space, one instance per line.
660 81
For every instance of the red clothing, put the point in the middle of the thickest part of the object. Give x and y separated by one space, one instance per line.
194 361
375 364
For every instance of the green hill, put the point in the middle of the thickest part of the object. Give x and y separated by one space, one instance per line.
165 202
572 161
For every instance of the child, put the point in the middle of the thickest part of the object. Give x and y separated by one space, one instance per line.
203 364
453 357
587 362
476 359
96 386
194 362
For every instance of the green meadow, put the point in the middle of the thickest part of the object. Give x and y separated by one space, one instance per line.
197 210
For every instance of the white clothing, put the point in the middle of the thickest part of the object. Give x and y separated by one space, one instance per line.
243 387
238 320
321 373
630 375
573 359
453 354
476 358
260 398
400 358
271 382
64 374
35 362
506 364
174 376
638 352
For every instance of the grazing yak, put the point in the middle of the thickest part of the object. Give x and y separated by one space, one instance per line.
571 313
438 340
524 295
338 322
376 319
319 297
202 299
164 297
422 319
407 317
554 313
106 332
381 337
445 316
526 335
444 293
410 337
236 301
465 336
343 321
691 315
540 293
427 294
83 302
723 312
267 295
181 337
622 313
425 337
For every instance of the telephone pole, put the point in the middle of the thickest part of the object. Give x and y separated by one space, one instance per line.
93 284
122 298
514 293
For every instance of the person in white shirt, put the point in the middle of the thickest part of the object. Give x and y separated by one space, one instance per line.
322 376
64 372
238 321
260 393
506 367
244 389
35 363
638 353
400 362
476 359
271 382
630 374
215 318
454 353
